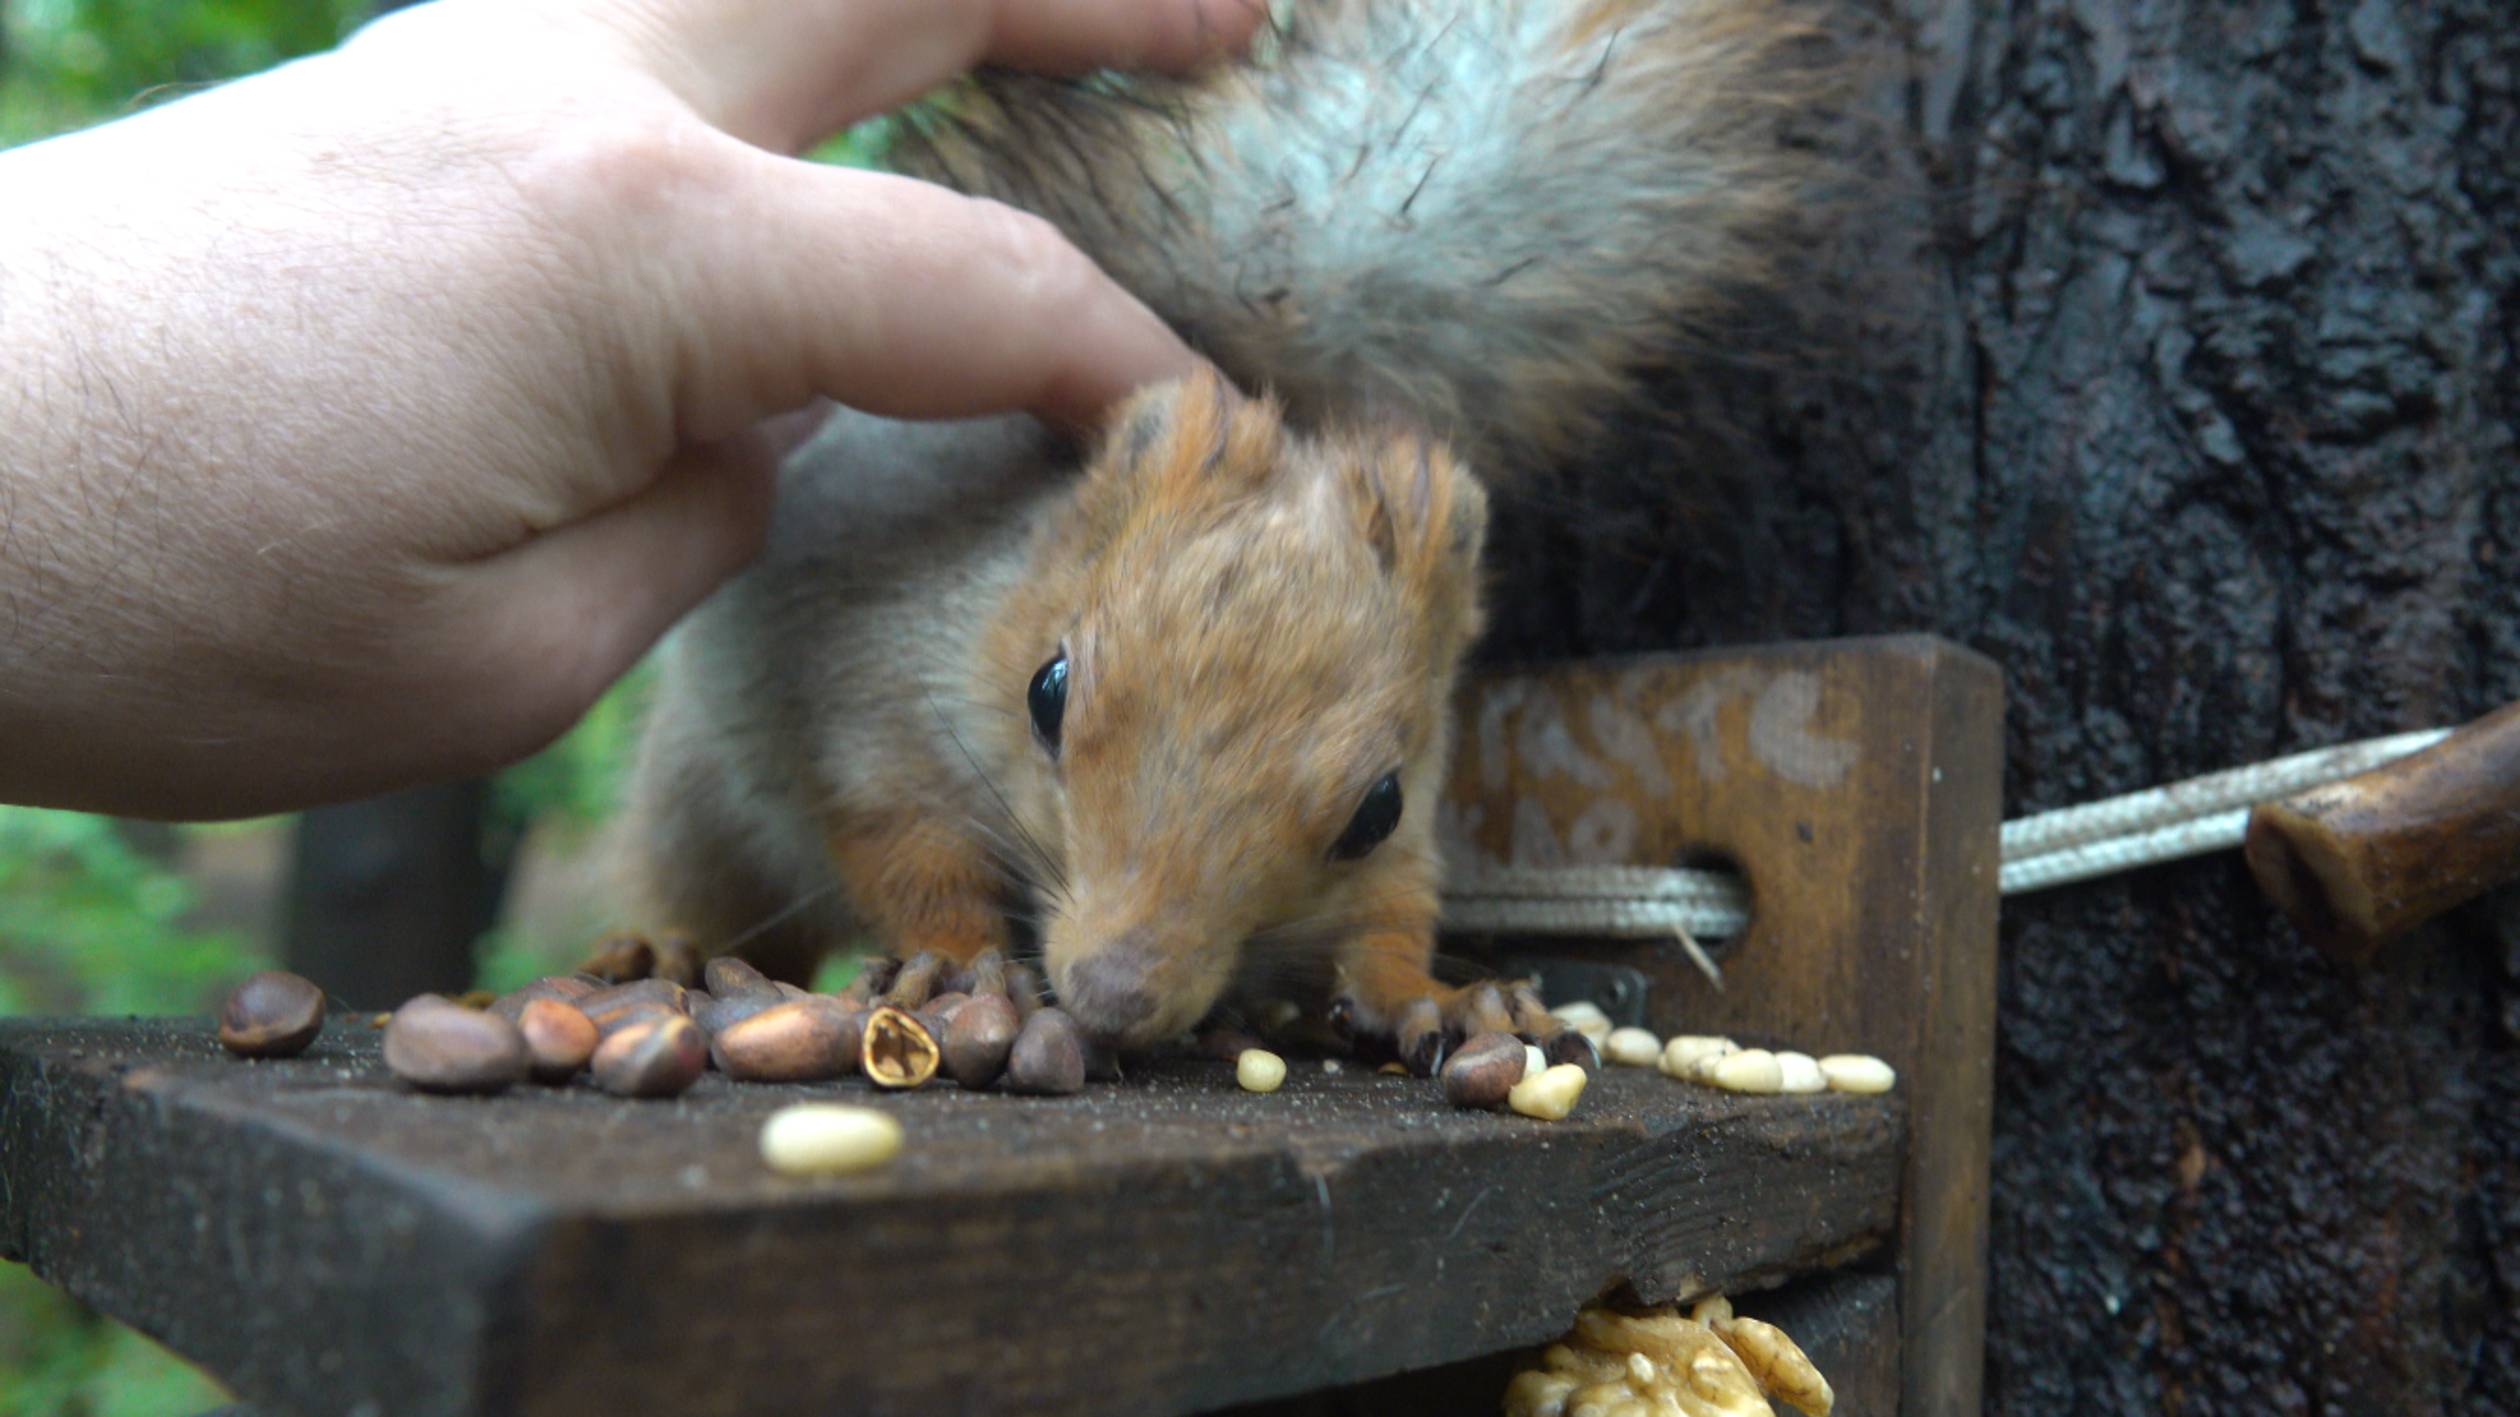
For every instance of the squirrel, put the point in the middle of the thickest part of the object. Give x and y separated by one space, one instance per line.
1184 702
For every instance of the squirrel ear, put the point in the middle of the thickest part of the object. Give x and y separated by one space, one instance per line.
1423 514
1193 441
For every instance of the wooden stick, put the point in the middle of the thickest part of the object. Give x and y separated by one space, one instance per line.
2358 863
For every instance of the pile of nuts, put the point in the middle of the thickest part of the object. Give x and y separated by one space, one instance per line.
646 1020
1707 1364
900 1025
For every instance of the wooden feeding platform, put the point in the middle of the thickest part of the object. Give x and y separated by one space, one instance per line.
318 1234
327 1241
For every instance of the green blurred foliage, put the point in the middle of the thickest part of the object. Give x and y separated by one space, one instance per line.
59 1359
89 924
68 63
575 784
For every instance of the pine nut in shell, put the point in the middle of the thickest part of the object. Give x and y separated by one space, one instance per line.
1551 1095
1858 1072
1632 1048
828 1139
273 1014
723 1011
567 988
1049 1054
1485 1068
1259 1070
558 1038
792 1040
440 1046
978 1039
657 1057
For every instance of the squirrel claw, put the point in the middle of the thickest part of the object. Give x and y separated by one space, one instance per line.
1343 1018
1569 1045
1419 1035
1420 1029
628 958
917 982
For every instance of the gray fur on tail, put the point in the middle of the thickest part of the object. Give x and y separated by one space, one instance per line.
1482 215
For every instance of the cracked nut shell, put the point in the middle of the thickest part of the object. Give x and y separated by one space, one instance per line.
897 1050
273 1014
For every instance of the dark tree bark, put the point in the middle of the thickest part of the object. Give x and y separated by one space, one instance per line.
388 896
2186 391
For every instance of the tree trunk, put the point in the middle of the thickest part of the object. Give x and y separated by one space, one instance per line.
388 896
2187 394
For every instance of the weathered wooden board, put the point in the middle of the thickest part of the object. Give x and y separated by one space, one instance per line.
1856 785
327 1241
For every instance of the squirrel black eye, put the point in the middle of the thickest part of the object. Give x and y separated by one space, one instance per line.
1376 817
1048 700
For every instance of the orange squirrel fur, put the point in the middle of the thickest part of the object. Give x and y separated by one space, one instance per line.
1188 708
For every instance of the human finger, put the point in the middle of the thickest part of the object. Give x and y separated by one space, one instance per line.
783 73
903 299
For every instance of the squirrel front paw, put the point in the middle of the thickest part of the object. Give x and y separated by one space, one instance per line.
624 958
1422 1021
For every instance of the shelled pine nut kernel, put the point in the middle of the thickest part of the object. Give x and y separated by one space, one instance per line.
1800 1072
1259 1070
1551 1095
1857 1072
1750 1070
828 1139
1632 1048
1684 1055
1586 1018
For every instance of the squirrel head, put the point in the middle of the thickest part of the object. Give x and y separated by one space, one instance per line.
1230 666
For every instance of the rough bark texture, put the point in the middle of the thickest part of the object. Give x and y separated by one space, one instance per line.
2187 393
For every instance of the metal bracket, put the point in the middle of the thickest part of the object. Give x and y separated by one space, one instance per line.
1618 989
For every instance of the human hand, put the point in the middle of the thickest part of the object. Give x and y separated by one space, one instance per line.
368 417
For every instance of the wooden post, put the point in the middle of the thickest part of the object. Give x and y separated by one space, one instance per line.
1857 785
388 896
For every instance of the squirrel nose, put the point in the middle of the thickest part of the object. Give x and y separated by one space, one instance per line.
1110 991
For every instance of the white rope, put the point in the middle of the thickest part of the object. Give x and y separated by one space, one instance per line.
2140 812
2183 819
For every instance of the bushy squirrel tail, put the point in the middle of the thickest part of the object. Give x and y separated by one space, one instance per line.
1485 215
